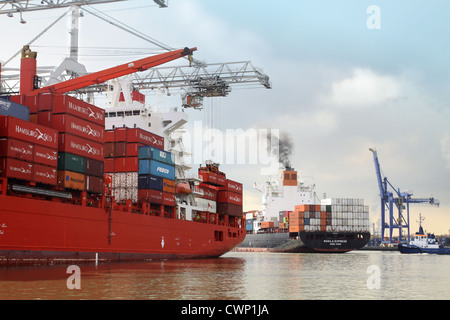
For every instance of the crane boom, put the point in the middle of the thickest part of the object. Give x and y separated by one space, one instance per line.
114 72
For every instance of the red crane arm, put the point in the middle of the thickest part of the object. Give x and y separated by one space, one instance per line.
114 72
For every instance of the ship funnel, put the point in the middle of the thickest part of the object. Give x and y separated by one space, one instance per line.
289 177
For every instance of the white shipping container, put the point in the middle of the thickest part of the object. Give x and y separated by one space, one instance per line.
119 193
132 193
207 205
132 179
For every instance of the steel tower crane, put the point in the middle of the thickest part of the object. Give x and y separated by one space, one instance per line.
396 198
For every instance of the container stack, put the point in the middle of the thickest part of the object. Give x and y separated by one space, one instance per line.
122 161
229 199
338 214
156 176
80 128
28 151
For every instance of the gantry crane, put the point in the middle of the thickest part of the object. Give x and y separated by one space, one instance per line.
400 199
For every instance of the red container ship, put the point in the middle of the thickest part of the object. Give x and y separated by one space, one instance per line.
67 196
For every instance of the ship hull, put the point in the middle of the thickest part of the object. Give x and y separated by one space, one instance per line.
414 249
307 242
38 231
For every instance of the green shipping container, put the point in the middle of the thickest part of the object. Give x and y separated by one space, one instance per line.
71 162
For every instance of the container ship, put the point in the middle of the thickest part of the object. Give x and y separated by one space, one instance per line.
292 219
79 183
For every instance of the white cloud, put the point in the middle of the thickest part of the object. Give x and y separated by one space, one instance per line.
364 89
445 148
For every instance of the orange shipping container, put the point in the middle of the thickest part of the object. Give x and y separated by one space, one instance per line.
168 186
71 180
266 224
301 208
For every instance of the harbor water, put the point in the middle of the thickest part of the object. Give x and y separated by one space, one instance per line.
361 275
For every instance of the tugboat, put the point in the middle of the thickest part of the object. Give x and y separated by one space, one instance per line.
423 243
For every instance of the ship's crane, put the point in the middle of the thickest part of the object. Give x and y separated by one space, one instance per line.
397 198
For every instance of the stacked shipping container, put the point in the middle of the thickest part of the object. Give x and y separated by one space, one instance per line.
27 151
123 156
156 176
80 127
340 214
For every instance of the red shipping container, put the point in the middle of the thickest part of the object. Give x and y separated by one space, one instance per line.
229 197
13 168
132 164
168 199
94 168
46 156
44 118
16 149
29 101
151 196
120 164
233 186
109 165
230 209
120 134
208 177
66 123
45 174
78 108
208 192
221 179
133 149
27 131
145 137
45 102
109 149
120 149
81 147
109 136
94 184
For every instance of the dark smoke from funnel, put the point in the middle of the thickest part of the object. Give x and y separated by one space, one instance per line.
283 146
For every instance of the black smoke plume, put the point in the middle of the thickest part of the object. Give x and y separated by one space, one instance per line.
283 146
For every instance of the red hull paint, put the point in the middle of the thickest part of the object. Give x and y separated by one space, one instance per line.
38 231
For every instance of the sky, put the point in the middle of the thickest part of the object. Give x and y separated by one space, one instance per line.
346 76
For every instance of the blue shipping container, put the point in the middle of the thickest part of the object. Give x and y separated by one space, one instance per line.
147 152
157 168
150 182
8 108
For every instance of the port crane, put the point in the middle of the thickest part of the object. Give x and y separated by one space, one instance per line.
390 197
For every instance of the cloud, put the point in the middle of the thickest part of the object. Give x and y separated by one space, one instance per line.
364 89
445 148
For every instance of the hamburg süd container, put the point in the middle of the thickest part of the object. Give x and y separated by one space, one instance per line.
145 137
45 156
70 105
18 169
12 148
27 131
66 123
79 146
45 174
150 195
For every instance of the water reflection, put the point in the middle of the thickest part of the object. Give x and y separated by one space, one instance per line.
188 279
241 276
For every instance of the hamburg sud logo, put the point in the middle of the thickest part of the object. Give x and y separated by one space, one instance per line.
86 148
36 133
87 130
86 111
